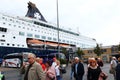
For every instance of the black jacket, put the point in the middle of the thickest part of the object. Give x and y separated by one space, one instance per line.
80 71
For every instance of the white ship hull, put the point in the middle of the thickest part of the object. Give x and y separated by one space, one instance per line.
28 33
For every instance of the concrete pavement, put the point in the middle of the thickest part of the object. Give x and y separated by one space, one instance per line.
13 73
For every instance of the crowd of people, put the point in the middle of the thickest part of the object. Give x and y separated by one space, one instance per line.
37 70
115 68
93 69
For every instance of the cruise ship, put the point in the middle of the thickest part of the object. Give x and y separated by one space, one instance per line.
33 33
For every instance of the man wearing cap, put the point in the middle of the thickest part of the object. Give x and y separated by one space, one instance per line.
78 69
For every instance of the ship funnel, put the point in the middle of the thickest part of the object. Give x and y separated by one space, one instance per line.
33 12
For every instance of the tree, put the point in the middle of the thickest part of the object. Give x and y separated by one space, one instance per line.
64 50
97 50
80 53
119 47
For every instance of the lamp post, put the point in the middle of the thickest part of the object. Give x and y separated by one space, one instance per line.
58 25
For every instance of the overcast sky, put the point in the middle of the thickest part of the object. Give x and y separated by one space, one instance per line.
99 19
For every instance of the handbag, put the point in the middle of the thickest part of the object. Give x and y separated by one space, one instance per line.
111 71
63 71
103 76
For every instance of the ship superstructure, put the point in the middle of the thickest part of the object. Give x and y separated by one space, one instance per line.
33 32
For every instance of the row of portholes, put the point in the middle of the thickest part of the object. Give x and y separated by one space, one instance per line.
38 31
16 21
4 36
10 19
34 30
8 44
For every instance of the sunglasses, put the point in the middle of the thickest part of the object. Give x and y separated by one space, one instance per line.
29 58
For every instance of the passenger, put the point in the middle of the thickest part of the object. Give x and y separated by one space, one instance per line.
99 62
37 60
72 69
42 64
78 69
93 70
113 65
40 61
58 72
89 61
50 71
118 70
54 62
34 70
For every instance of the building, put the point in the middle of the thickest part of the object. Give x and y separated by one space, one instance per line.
107 52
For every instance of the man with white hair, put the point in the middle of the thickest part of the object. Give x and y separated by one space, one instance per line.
113 65
78 69
34 70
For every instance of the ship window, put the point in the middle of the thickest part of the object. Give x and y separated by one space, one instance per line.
18 22
14 37
63 40
2 43
54 39
3 17
28 24
3 29
59 39
37 36
29 35
19 26
43 37
10 19
23 23
2 40
18 45
3 22
21 33
67 41
8 44
14 25
9 24
49 38
13 44
22 45
3 35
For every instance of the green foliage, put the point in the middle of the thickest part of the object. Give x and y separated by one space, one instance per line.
64 50
62 61
97 50
119 47
80 52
